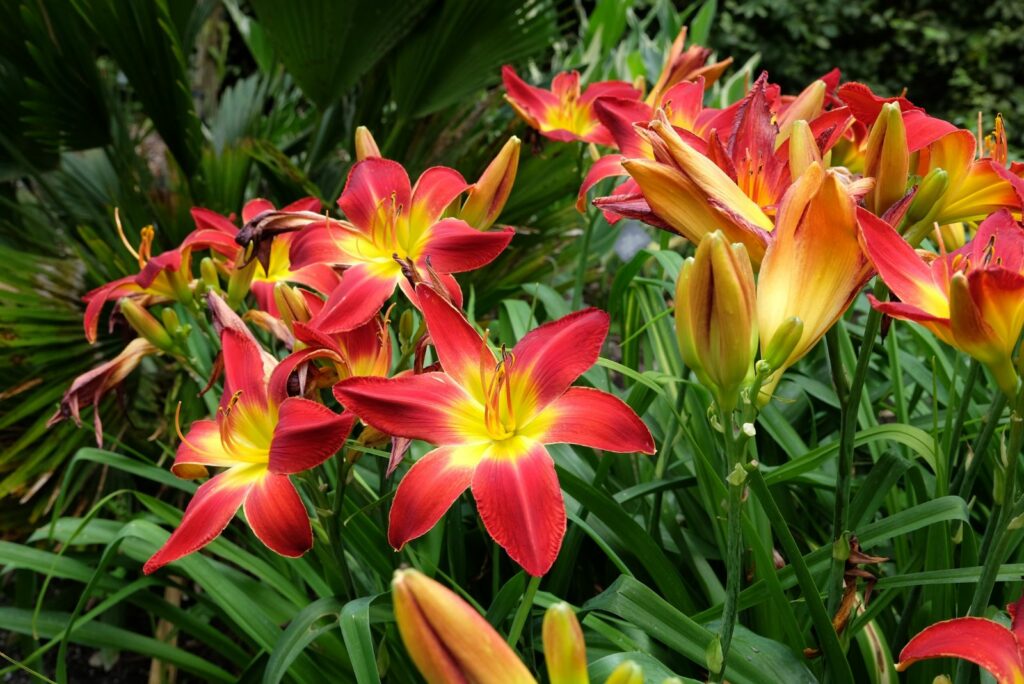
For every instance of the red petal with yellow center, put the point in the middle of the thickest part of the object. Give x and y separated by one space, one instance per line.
320 243
906 274
460 348
982 642
95 300
207 514
435 190
278 517
549 358
618 115
605 167
454 246
528 99
593 418
320 277
428 490
519 500
201 447
357 299
168 261
243 369
371 182
306 435
430 406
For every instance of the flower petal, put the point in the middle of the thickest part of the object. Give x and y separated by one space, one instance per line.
95 300
434 191
429 489
207 514
549 358
593 418
323 242
519 500
370 182
357 299
462 351
605 167
307 434
278 517
454 246
201 447
982 642
255 207
529 101
243 368
429 406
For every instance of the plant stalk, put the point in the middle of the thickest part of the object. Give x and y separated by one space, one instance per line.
734 449
523 611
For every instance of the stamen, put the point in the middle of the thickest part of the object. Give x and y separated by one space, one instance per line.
124 238
177 429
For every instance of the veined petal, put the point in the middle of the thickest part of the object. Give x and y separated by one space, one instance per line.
324 242
529 101
207 514
908 312
448 282
519 500
434 191
618 115
307 434
255 207
429 489
95 300
211 220
320 277
461 350
201 447
371 182
304 204
999 294
278 517
596 419
605 167
549 358
429 406
605 89
982 642
357 299
454 246
243 368
906 274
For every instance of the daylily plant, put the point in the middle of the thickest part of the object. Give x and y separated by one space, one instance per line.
985 643
393 233
972 298
260 437
490 418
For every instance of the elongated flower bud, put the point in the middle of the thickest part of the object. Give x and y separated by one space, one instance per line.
565 651
208 271
783 342
290 304
887 159
488 195
146 325
239 283
627 672
803 148
447 639
929 192
715 322
366 146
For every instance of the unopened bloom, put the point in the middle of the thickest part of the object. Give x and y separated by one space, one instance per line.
487 197
260 437
565 651
447 639
490 419
888 159
564 112
715 317
972 299
366 146
393 233
985 643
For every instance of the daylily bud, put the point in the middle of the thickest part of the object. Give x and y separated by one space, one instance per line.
929 192
783 342
447 639
239 282
171 321
564 649
887 159
488 195
953 236
803 148
290 304
715 320
627 672
806 106
208 270
366 146
405 330
146 325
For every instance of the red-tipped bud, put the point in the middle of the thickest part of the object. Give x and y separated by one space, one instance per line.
366 146
488 195
887 159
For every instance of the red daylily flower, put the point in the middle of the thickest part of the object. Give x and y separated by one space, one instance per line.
392 228
260 437
985 643
972 299
564 113
274 265
683 66
490 419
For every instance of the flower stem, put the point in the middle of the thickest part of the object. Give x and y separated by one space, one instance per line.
519 620
581 267
734 448
848 429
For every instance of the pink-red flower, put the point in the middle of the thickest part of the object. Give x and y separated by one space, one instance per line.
564 113
260 437
490 419
972 299
985 643
394 233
